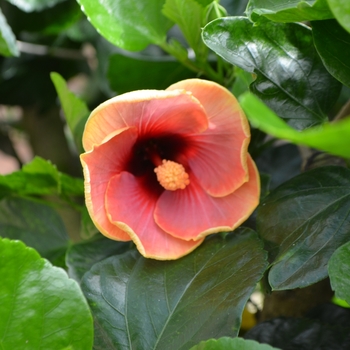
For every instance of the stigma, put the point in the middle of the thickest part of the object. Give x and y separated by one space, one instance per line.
172 176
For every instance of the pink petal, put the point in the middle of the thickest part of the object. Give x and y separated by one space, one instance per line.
131 208
218 157
192 213
152 112
100 165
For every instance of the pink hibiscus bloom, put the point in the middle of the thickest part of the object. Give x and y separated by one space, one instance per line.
167 168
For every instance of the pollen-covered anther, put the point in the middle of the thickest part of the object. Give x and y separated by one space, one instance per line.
172 176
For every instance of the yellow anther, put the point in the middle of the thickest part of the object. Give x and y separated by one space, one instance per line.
172 176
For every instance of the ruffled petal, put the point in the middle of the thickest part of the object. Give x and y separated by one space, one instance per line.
218 156
131 208
193 214
154 113
100 165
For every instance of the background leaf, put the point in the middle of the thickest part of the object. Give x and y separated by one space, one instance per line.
324 328
291 78
36 224
75 110
341 10
330 137
226 343
289 10
333 45
339 272
41 308
131 25
142 303
303 222
128 74
40 177
34 5
8 45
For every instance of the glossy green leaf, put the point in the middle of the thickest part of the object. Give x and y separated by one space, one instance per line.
34 5
330 137
141 303
291 78
128 74
40 177
8 46
339 272
41 308
82 256
36 224
289 10
75 110
341 11
303 222
131 25
226 343
333 45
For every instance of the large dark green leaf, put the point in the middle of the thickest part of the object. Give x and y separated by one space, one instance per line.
226 343
304 221
82 256
141 303
36 224
341 10
339 272
330 137
291 78
128 74
8 46
289 10
131 25
34 5
41 308
75 110
333 45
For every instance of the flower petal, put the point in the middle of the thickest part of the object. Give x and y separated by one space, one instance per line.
153 112
218 156
131 208
100 165
192 213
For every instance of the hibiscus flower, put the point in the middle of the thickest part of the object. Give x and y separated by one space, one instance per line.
167 168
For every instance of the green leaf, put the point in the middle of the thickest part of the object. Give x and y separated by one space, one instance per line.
75 110
40 177
36 224
303 222
173 304
128 74
283 57
8 46
330 137
189 15
333 45
41 308
82 256
289 10
34 5
339 272
341 11
226 343
131 25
